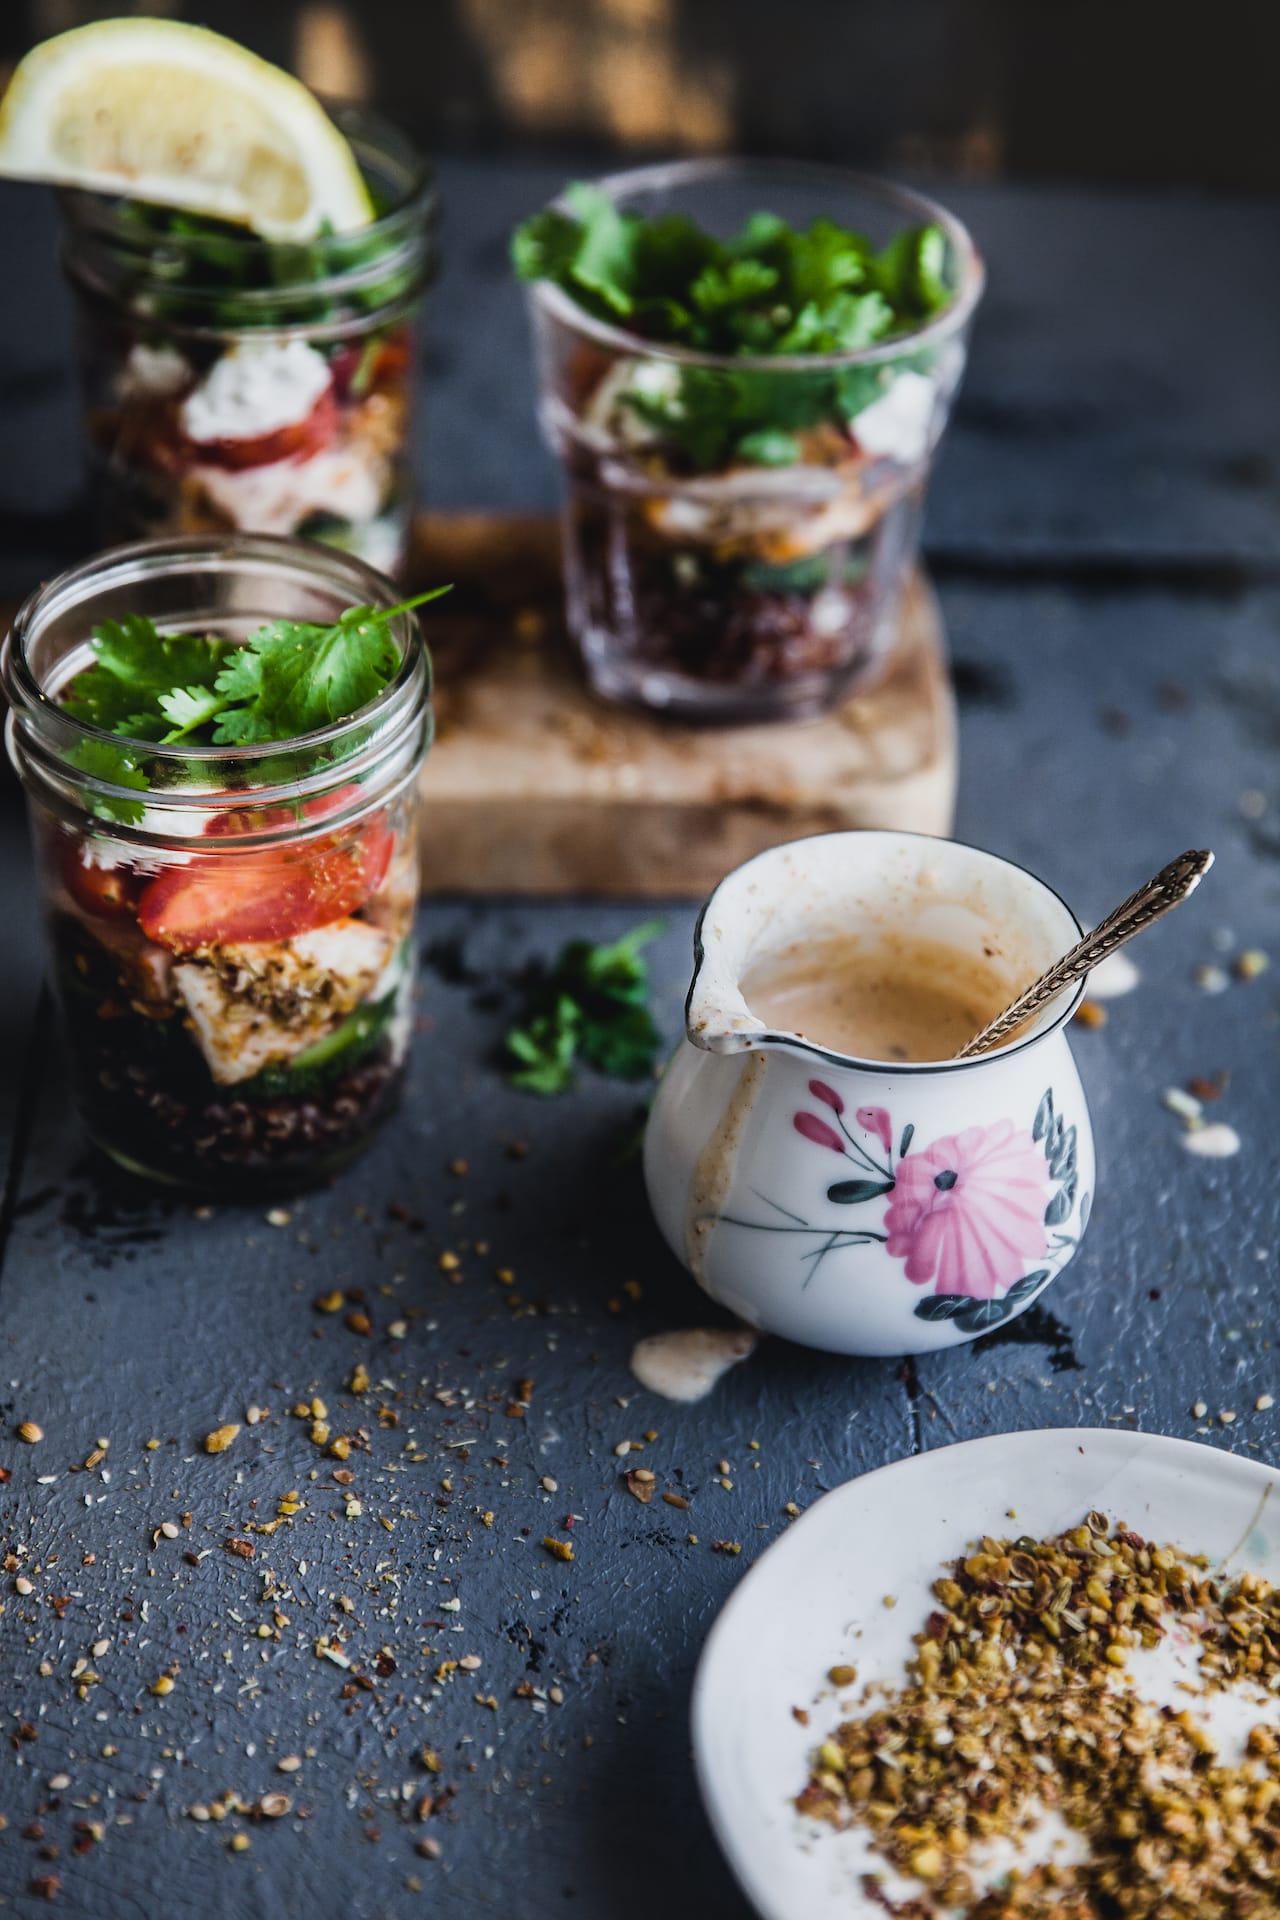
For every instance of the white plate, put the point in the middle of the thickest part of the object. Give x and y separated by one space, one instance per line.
816 1600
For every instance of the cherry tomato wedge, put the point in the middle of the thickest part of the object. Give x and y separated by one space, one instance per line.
109 893
267 895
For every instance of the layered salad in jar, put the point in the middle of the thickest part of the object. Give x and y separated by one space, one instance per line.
248 271
230 892
746 423
304 433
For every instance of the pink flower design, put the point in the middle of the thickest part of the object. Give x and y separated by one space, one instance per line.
828 1095
876 1120
818 1131
968 1212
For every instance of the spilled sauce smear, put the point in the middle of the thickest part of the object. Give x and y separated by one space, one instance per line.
686 1365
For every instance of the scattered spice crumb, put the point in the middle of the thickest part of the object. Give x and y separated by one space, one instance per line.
1250 963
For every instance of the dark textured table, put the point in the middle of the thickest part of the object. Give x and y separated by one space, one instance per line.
1106 534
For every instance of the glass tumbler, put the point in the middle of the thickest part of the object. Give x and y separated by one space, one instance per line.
234 384
746 592
230 927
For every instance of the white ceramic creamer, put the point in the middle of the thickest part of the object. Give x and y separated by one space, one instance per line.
865 1206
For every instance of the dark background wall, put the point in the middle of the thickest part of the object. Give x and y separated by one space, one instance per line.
1129 91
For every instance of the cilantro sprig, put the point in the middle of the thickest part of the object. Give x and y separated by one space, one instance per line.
591 1006
768 290
289 678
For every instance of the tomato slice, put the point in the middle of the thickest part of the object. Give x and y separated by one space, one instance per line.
268 895
297 441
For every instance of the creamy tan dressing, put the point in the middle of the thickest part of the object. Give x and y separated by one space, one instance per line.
882 997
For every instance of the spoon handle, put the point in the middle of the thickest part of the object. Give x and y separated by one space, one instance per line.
1167 889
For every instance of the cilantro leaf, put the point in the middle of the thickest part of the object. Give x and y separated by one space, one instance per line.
544 248
133 663
769 447
605 258
290 677
545 1049
732 285
103 761
592 1005
298 677
187 708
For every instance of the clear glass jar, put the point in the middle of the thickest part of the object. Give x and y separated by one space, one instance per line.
234 384
231 943
742 592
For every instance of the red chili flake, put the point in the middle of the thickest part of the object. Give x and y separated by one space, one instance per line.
6 1473
244 1548
46 1886
384 1666
1208 1088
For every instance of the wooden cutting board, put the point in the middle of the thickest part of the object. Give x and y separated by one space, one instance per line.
536 787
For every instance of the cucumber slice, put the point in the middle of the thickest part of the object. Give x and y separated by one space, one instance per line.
327 1060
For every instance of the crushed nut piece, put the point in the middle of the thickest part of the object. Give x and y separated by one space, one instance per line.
1008 1708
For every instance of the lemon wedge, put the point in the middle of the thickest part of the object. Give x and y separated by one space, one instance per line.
182 117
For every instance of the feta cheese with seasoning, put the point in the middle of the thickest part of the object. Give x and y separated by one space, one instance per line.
257 387
257 1004
153 373
898 426
608 416
347 482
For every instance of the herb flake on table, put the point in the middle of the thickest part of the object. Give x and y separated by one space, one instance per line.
591 1007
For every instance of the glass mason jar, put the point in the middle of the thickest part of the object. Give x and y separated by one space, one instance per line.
235 384
731 591
232 936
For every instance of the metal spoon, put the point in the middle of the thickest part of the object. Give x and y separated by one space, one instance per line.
1169 888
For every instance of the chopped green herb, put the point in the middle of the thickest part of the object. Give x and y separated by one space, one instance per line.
193 264
592 1006
288 678
118 768
768 290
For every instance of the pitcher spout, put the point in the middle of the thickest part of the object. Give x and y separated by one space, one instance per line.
716 1015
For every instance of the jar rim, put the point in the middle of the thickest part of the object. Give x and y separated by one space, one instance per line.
58 731
405 228
682 173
